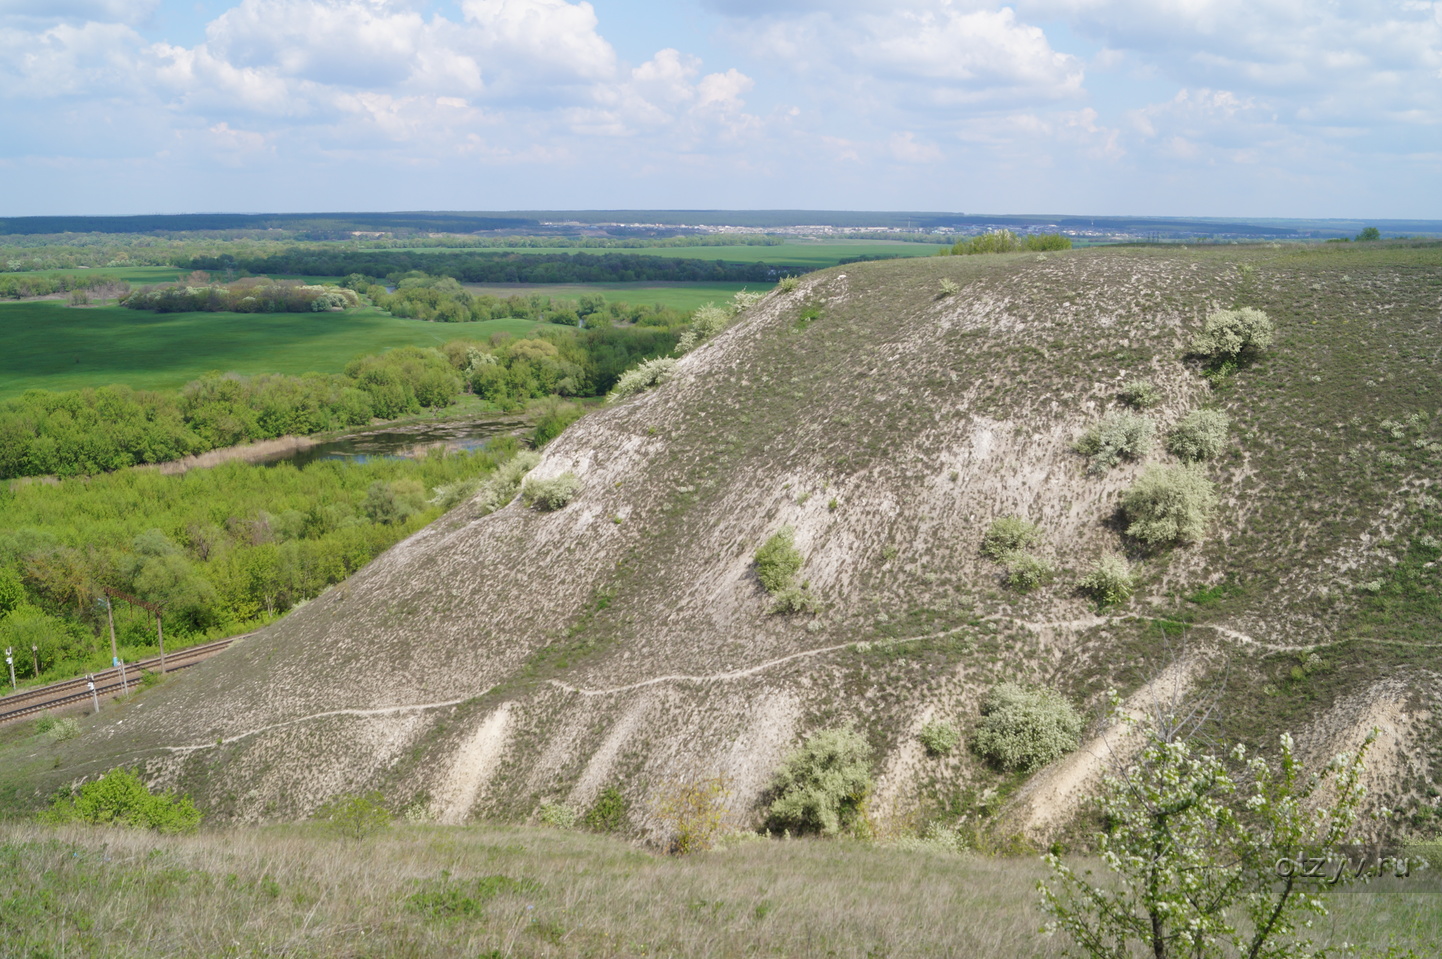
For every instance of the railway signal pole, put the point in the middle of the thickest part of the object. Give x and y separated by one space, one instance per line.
35 657
154 608
10 661
94 699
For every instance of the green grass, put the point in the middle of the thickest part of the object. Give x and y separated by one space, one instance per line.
138 275
49 345
420 891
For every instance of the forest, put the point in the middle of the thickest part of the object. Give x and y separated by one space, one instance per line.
491 267
220 549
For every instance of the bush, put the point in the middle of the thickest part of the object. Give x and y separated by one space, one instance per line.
1117 436
505 482
1024 572
823 785
1169 504
549 495
778 560
794 599
1046 242
57 728
694 810
1110 581
1008 534
1142 393
119 798
642 377
1200 435
939 737
788 283
948 287
356 817
1023 728
706 322
1233 335
608 812
557 814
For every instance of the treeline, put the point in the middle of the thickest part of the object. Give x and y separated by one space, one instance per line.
218 548
91 431
494 267
573 242
250 295
441 299
13 287
84 432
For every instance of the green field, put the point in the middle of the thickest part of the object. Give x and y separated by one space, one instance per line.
137 275
49 345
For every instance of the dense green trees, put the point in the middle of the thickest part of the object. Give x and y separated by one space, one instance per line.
219 548
256 294
490 267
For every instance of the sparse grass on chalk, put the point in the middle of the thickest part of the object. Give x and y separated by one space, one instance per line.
421 891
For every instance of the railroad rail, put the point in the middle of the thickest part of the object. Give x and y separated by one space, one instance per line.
28 703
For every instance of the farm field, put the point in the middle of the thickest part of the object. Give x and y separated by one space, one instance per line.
49 345
135 275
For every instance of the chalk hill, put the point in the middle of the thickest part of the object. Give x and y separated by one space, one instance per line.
489 663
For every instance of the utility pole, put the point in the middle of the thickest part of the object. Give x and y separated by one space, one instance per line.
114 654
155 608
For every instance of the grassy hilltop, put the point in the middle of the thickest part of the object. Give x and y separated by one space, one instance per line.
889 413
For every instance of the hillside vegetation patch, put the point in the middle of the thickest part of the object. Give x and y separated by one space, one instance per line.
777 563
1200 435
119 798
822 785
1169 504
1023 728
1233 336
548 495
1121 435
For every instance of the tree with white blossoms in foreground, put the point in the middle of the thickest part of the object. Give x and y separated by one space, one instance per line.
1191 851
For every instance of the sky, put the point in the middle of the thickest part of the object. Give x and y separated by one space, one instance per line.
1255 108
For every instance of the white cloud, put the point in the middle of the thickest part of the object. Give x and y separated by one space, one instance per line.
906 148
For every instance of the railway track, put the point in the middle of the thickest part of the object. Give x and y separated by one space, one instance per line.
29 703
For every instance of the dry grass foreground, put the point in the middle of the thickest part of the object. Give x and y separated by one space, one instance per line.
497 891
490 663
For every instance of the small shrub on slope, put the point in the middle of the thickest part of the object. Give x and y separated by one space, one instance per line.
557 814
1110 581
1008 534
939 737
1025 728
641 377
1169 504
706 322
119 798
778 561
822 786
552 494
1142 393
1233 335
1024 572
1200 435
505 482
608 812
1118 436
